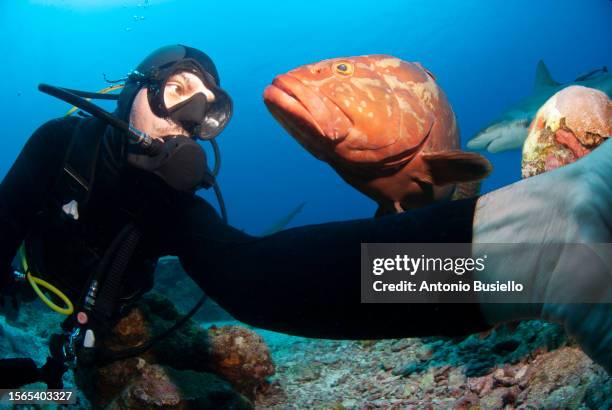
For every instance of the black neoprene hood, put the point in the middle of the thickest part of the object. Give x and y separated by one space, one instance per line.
168 55
163 62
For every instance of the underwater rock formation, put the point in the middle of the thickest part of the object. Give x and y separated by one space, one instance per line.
17 342
155 386
568 126
178 363
26 335
240 356
479 354
531 366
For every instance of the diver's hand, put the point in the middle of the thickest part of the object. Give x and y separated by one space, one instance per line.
570 205
51 373
8 287
13 291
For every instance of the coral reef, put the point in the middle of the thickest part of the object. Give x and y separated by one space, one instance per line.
531 365
158 387
526 370
478 354
568 126
26 335
191 353
241 356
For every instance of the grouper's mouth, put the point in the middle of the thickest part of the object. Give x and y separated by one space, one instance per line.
315 123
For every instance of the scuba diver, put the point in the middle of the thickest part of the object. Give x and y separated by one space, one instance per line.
97 200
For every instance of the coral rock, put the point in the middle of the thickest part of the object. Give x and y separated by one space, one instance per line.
241 356
157 387
561 379
568 126
235 353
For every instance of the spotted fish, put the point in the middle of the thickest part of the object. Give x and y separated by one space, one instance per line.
383 124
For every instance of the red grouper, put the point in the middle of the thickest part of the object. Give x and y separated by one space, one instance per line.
382 123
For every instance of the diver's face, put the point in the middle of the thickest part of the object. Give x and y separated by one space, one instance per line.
182 86
179 87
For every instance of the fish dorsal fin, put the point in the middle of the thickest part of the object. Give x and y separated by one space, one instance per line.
543 77
451 167
429 73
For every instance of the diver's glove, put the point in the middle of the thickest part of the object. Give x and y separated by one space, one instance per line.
52 372
550 212
13 290
18 372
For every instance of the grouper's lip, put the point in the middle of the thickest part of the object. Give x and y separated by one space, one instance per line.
286 108
306 109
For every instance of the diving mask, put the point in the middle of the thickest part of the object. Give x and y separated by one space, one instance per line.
188 95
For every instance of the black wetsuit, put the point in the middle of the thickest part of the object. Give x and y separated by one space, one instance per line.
303 281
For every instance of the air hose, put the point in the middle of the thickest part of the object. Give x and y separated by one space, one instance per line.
100 95
110 291
37 283
105 356
122 249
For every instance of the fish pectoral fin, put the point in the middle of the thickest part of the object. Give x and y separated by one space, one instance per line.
450 167
591 74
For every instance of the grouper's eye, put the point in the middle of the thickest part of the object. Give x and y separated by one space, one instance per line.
344 68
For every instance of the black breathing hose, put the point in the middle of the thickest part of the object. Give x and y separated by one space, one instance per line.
111 287
214 173
217 153
220 200
105 356
151 145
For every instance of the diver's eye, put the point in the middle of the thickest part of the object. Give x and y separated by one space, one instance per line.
344 68
174 88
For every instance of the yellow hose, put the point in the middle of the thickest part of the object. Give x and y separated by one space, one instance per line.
37 283
102 91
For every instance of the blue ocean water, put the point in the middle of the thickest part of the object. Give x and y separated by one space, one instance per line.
483 53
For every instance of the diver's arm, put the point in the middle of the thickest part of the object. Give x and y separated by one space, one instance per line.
27 185
571 284
306 280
